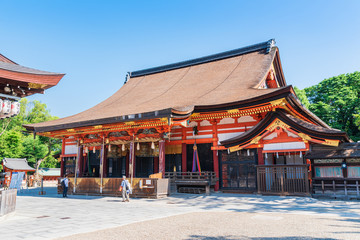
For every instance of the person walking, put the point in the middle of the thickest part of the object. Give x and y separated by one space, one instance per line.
125 189
65 186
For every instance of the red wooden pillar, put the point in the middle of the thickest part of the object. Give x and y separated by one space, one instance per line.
215 153
105 167
183 158
131 159
81 161
85 157
156 164
183 152
162 157
261 160
127 173
62 167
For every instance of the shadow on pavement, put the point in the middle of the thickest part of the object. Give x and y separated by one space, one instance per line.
200 237
51 192
259 203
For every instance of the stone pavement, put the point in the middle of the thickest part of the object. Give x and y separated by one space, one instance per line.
51 216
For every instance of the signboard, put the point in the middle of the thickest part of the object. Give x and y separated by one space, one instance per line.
16 180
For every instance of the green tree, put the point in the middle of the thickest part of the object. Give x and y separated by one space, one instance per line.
15 142
301 94
336 101
11 144
34 149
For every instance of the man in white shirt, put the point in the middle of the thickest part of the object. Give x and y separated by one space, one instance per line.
65 185
125 189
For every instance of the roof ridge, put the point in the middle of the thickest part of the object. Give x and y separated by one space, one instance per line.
214 57
8 60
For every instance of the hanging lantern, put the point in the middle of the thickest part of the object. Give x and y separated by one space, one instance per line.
265 155
277 155
109 147
93 149
123 147
237 153
138 146
300 153
152 145
248 152
86 149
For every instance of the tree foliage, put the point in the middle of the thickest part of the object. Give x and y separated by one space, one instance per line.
336 101
15 142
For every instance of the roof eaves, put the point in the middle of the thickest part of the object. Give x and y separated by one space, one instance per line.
214 57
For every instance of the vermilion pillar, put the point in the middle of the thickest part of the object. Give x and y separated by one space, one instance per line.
106 149
62 167
131 160
183 151
162 157
215 153
260 157
81 159
127 173
183 158
156 164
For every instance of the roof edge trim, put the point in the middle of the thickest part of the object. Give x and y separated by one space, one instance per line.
214 57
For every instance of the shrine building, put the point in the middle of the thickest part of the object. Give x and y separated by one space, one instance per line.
250 129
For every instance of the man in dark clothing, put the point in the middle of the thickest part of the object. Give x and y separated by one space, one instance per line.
65 185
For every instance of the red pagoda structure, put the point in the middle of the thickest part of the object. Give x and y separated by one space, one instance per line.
250 129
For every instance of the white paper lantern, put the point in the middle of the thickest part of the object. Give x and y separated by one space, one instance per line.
15 108
6 107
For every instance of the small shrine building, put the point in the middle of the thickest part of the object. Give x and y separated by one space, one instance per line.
249 127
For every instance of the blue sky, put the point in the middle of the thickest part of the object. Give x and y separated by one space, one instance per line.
96 42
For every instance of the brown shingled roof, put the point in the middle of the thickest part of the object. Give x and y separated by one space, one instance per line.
344 150
179 90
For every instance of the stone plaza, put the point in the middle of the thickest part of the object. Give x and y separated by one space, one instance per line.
50 216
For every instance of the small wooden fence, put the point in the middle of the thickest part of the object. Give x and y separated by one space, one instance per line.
189 181
283 179
141 187
337 187
7 201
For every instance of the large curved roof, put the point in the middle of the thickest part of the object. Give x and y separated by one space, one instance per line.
227 77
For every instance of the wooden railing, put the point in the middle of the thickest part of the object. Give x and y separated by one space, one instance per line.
191 182
283 179
193 176
337 187
141 187
7 201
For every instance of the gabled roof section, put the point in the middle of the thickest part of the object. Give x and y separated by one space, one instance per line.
313 131
175 90
20 164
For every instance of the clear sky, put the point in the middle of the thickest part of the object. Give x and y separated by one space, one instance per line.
96 42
